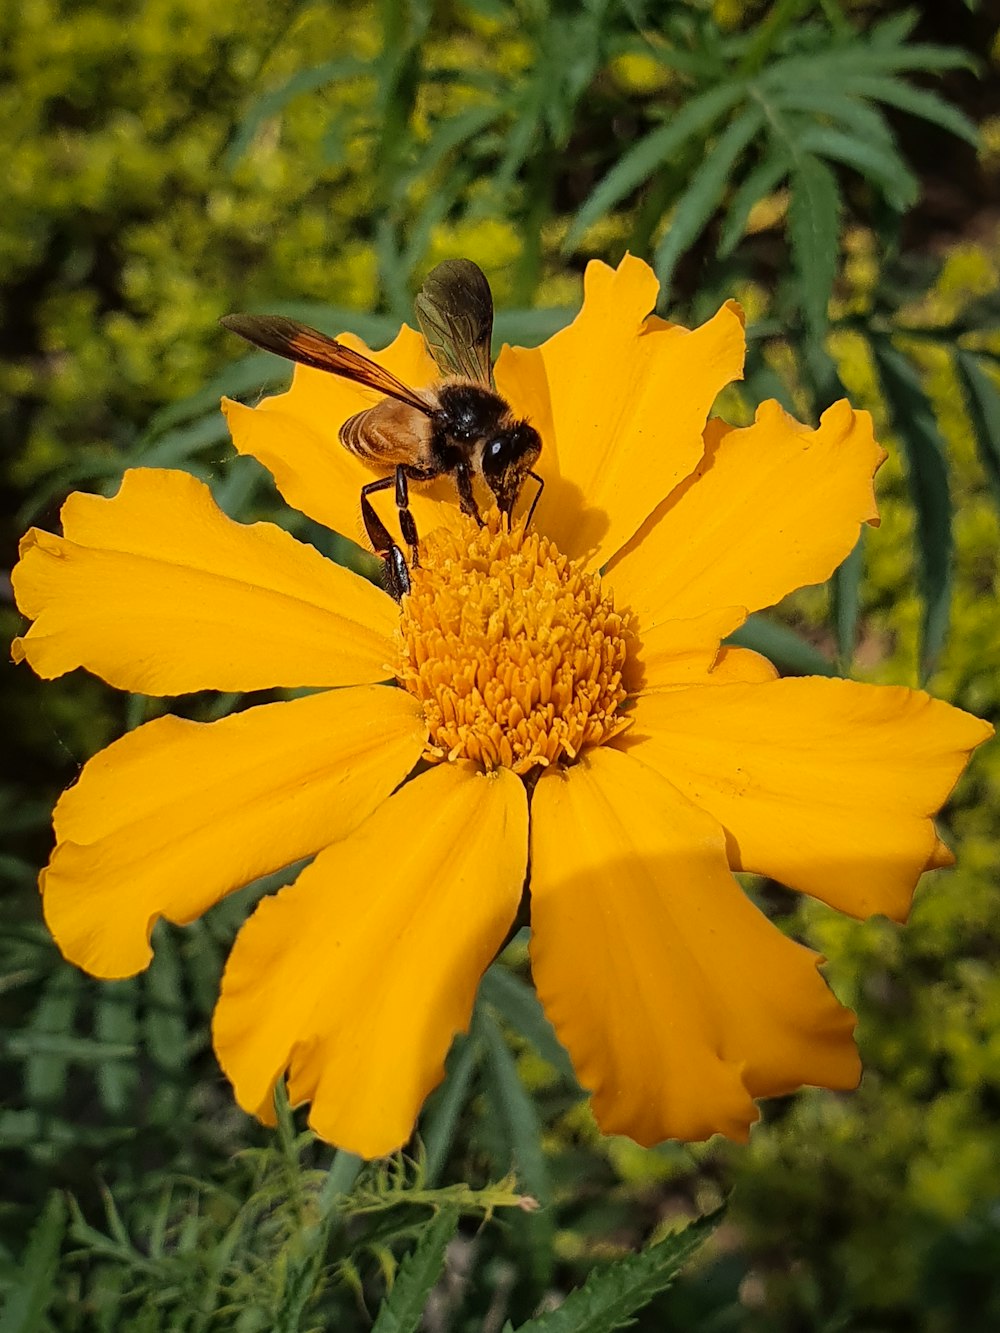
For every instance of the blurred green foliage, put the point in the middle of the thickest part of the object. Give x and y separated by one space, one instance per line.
834 165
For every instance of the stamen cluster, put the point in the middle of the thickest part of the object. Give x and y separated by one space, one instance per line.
514 651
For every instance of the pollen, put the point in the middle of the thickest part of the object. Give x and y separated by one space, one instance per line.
514 651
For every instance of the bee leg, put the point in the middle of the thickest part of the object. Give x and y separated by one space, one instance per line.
397 576
463 481
406 524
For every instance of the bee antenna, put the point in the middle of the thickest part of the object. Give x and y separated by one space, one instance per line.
541 487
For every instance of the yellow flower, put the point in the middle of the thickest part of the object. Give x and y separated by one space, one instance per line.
567 720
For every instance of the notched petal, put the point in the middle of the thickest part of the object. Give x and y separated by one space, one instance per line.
691 1003
157 591
356 978
621 399
828 786
671 654
770 508
176 814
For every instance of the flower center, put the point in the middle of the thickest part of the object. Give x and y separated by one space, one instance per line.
513 650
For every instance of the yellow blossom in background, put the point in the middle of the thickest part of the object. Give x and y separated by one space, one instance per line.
550 708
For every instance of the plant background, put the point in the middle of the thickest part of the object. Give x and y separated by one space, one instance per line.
833 165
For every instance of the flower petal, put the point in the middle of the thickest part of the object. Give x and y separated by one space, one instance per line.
941 857
677 1000
157 591
679 652
770 508
621 402
826 785
295 436
176 814
735 665
357 976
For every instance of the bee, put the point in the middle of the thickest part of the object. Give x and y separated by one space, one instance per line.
459 426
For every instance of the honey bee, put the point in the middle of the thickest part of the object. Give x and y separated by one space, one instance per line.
460 425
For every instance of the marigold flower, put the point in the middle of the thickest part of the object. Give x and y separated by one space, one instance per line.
550 706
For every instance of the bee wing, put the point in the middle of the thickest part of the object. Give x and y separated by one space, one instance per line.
298 342
455 312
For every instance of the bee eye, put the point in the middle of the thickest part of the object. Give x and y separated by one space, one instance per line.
498 453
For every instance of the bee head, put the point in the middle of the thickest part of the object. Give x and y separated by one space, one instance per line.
508 457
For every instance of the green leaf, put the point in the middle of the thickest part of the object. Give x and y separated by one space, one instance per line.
217 1264
438 1124
765 36
920 57
982 400
66 1048
612 1294
819 371
242 377
917 101
29 1298
518 1121
926 453
234 488
852 113
519 1006
391 266
763 180
48 1043
883 167
178 446
517 1109
116 1022
402 1310
763 381
528 328
523 136
33 1130
437 205
652 152
829 67
814 233
894 30
166 1031
840 24
845 587
159 1223
116 1223
790 653
466 127
274 102
706 188
701 65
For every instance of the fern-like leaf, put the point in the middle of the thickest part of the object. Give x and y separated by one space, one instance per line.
814 231
613 1294
651 152
982 399
914 422
705 189
402 1310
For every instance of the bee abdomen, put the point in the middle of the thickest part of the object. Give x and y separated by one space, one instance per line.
390 434
356 439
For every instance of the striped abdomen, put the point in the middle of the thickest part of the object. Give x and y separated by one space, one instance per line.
388 434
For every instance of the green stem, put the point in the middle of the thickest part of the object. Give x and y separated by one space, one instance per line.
344 1170
529 267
